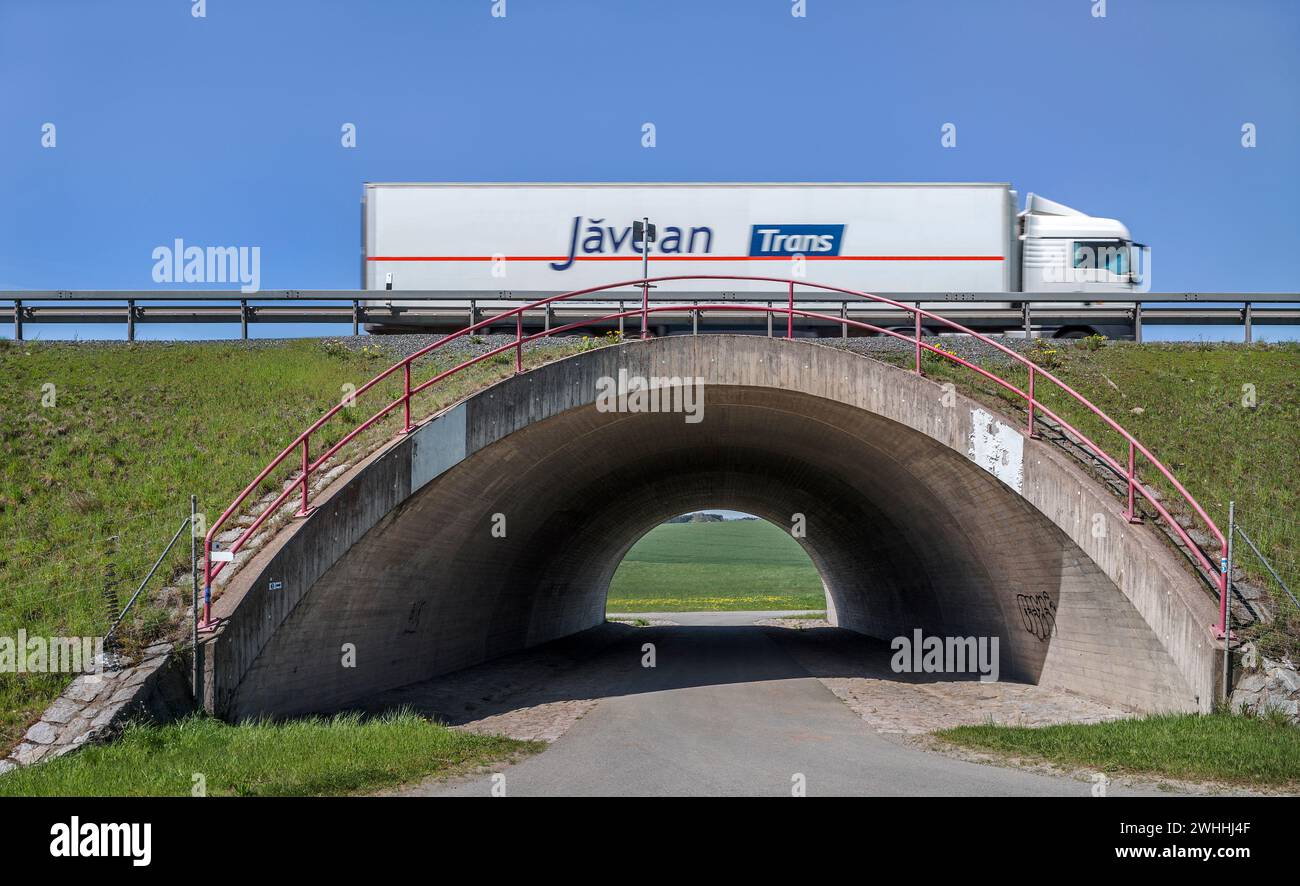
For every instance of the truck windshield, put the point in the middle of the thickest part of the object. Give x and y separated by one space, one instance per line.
1110 255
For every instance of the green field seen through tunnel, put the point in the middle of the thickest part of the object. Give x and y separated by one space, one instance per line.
733 564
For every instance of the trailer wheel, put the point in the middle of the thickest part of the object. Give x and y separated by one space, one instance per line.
1074 332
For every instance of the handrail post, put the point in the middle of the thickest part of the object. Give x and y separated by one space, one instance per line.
789 317
207 580
917 315
519 342
406 401
645 310
1033 435
306 464
1225 613
1130 514
195 686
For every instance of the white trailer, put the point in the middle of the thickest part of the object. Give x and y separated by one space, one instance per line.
479 241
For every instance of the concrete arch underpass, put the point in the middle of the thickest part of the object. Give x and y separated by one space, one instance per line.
922 510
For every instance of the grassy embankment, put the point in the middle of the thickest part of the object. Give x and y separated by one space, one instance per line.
308 757
1220 747
102 444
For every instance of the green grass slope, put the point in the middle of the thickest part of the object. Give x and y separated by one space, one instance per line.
101 446
737 564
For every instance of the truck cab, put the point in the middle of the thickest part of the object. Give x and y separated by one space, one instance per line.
1065 250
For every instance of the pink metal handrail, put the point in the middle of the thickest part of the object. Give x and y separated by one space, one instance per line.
308 465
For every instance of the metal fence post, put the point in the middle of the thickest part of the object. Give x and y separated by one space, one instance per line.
918 339
1131 514
406 404
1227 609
197 679
306 464
519 341
1033 435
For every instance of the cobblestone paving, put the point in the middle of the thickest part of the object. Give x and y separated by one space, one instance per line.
857 670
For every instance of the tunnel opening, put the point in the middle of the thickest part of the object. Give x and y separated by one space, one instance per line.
717 560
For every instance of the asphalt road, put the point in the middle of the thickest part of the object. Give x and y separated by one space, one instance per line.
726 711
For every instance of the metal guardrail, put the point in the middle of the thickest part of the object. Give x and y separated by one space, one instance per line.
365 306
1216 572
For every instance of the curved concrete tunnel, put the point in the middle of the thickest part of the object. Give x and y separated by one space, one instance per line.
499 525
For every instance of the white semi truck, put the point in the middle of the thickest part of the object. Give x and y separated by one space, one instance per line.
491 241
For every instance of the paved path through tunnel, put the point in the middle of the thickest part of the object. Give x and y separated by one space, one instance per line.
729 710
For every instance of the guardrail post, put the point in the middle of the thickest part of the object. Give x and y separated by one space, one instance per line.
1246 321
473 312
789 318
243 318
1137 322
546 315
519 341
1024 310
356 316
306 464
695 321
1033 435
18 319
844 320
1130 513
645 310
406 400
130 319
769 319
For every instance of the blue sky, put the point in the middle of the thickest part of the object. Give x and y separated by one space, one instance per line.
225 129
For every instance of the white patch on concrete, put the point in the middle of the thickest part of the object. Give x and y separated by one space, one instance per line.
439 445
997 448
